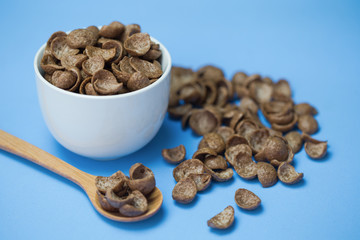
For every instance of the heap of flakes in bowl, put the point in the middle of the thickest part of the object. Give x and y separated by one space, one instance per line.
114 59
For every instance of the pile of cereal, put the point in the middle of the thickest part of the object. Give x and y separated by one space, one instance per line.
126 195
234 138
112 60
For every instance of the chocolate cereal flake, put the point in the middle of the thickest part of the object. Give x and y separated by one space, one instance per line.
104 82
69 61
282 90
137 81
95 30
129 31
104 202
149 69
106 54
55 35
115 198
137 206
187 167
223 219
245 127
239 79
266 174
305 108
113 30
152 54
236 117
236 139
105 183
184 191
93 64
247 103
244 166
141 179
59 48
109 44
215 162
120 75
213 141
174 155
307 123
246 199
80 38
125 66
233 151
285 127
314 148
277 150
185 118
203 121
49 65
261 91
295 140
138 44
87 88
202 180
225 132
69 79
210 73
179 111
258 139
221 175
204 152
288 175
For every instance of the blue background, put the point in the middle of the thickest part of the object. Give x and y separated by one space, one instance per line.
313 44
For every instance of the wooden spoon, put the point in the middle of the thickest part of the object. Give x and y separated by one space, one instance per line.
86 181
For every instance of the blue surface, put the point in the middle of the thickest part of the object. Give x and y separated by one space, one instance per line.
313 44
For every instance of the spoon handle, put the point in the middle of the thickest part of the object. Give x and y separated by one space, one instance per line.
30 152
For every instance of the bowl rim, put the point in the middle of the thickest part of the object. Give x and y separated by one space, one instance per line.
165 54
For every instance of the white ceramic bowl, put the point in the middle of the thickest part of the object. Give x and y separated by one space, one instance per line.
104 127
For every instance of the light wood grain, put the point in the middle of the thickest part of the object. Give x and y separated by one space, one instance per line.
86 181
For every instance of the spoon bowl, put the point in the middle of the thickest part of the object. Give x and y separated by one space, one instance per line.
86 181
155 199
